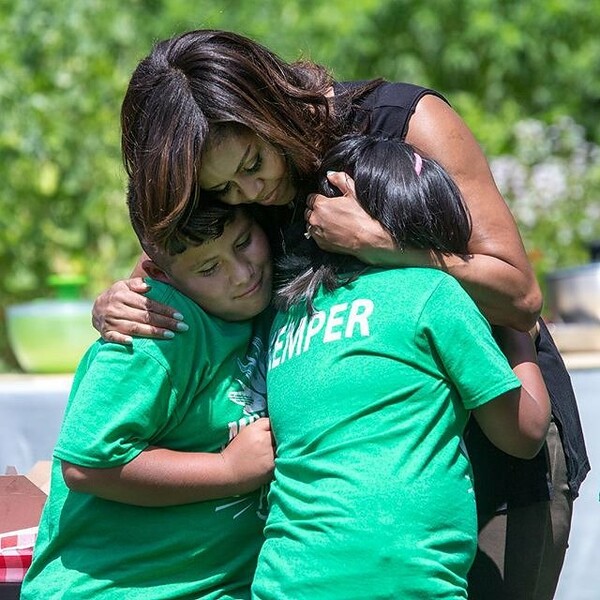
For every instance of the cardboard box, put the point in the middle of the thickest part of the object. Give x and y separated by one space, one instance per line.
40 475
22 497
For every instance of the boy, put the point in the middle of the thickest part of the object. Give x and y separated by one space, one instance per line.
193 531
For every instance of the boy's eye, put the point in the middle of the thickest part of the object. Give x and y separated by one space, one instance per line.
207 271
244 242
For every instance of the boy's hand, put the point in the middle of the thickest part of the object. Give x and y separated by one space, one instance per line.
250 456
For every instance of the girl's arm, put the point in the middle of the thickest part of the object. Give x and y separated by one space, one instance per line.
517 422
163 477
497 273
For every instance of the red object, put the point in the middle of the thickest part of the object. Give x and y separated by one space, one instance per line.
16 550
21 503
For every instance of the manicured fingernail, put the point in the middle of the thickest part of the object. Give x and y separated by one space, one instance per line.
182 326
128 340
178 316
169 335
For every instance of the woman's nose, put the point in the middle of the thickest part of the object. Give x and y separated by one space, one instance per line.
250 187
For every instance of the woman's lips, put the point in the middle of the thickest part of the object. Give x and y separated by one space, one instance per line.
270 197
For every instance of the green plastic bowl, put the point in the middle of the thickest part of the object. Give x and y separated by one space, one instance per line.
50 336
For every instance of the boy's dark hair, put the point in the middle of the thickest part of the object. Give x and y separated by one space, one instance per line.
205 223
413 198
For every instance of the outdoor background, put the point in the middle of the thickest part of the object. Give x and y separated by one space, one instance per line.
524 76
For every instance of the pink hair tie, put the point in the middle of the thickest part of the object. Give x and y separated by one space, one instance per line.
418 164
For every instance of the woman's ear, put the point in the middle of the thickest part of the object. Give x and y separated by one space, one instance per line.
154 271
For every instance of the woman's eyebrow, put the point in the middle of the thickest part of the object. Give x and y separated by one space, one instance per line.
238 169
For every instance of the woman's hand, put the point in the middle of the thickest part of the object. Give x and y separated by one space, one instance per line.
341 225
123 311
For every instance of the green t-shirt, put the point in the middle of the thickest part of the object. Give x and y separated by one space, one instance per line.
368 398
192 393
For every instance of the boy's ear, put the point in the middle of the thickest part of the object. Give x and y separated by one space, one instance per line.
155 271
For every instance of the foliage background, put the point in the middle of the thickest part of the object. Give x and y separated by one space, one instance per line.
523 75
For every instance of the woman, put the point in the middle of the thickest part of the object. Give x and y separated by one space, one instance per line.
211 111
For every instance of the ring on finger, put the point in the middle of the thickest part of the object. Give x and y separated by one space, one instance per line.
308 232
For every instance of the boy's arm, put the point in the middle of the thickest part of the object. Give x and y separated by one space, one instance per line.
163 477
517 422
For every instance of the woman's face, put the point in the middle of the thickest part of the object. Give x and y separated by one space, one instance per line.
242 168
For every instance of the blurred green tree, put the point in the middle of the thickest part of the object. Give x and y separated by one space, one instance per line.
66 67
498 61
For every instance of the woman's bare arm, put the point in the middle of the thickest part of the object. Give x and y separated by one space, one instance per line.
497 273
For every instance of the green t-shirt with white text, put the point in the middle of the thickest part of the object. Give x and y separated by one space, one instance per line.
368 398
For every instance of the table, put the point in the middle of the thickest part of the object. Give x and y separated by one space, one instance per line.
580 577
31 410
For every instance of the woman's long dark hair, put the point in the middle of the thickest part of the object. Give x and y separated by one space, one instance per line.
413 198
195 84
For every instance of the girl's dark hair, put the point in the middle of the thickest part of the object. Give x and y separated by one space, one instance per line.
198 81
412 196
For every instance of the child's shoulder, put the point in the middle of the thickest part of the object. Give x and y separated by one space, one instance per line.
167 294
172 297
201 324
414 288
423 279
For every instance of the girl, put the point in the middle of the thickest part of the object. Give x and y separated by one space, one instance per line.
369 394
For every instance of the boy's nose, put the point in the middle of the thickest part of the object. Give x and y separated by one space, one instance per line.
242 272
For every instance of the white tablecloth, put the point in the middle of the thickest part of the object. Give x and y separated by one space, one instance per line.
31 412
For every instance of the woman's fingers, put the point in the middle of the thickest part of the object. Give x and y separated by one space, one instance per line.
123 311
343 182
117 338
152 319
135 284
132 325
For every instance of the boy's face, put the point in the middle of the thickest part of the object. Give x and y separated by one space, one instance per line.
230 277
